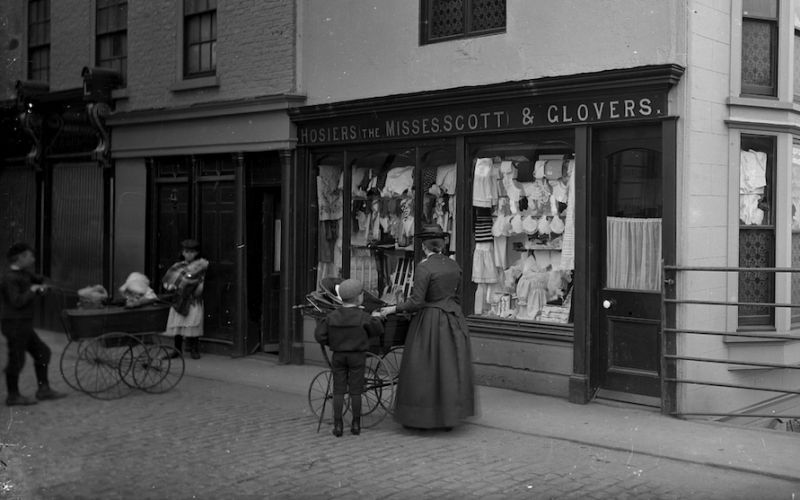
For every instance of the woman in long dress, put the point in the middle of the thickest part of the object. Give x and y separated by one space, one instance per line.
435 388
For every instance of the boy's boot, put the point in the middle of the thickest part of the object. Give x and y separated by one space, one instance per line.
355 406
338 408
44 392
14 397
194 346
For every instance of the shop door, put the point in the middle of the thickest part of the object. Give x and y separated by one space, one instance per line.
630 260
217 236
271 269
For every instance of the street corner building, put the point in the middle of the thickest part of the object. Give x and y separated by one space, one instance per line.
619 183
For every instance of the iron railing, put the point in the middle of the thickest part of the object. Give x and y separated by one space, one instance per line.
670 358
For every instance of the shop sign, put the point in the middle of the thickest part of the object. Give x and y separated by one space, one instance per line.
506 116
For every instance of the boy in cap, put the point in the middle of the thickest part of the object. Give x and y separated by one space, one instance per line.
346 331
19 289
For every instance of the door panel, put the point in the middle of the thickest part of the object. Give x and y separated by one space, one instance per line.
217 220
630 274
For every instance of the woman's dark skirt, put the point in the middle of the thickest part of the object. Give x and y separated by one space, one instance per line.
436 384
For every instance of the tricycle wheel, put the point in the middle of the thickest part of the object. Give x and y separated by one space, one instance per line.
320 393
375 389
97 369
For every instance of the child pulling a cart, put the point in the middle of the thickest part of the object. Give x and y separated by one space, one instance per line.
19 289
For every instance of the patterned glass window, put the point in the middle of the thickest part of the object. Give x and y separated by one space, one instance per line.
200 37
756 228
112 35
450 19
759 47
39 40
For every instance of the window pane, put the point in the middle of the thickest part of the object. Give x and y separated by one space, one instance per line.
329 170
193 59
522 252
760 8
446 18
102 21
757 53
756 228
205 57
382 222
795 231
213 56
205 28
193 30
487 14
796 76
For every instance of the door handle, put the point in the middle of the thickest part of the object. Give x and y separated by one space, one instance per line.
609 303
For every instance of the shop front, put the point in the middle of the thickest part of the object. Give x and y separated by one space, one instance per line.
220 173
557 194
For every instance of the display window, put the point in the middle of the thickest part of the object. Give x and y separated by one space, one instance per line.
366 231
523 226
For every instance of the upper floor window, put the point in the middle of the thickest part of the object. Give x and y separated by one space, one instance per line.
757 228
200 37
760 47
112 35
39 40
451 19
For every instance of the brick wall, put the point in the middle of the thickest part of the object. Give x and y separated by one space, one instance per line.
255 53
255 50
12 46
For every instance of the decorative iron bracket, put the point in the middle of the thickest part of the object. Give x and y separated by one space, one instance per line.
98 112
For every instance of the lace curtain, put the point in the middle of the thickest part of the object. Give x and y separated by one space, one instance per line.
633 252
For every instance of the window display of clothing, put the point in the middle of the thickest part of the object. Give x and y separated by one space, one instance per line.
523 204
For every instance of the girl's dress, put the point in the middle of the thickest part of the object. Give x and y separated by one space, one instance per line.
190 324
435 387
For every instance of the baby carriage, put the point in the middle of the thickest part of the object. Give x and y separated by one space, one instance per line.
383 359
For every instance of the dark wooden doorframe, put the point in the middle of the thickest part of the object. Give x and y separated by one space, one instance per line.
661 139
271 270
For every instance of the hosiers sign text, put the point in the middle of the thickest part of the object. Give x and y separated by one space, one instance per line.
516 115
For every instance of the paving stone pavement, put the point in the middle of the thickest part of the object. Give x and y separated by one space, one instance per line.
212 439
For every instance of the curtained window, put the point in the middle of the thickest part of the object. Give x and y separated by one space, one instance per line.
634 253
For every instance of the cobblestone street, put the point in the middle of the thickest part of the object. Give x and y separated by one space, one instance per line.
214 439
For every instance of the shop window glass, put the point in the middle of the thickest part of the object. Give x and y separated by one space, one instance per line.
796 231
523 223
756 228
450 19
329 179
382 222
759 47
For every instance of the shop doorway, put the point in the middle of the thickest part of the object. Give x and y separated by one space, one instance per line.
264 268
629 162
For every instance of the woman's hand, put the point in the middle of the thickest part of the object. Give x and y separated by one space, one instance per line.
385 311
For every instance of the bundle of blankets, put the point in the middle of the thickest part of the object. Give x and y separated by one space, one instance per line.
182 280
